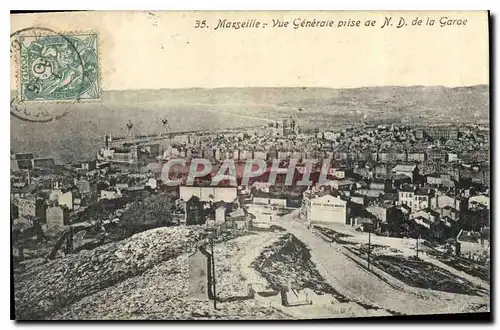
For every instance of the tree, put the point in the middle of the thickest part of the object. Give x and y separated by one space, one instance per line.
475 219
195 214
101 209
153 211
395 221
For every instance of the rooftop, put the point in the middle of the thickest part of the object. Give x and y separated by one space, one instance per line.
407 188
327 199
400 177
423 191
404 168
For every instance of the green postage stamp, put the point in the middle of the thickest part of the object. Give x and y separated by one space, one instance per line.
59 67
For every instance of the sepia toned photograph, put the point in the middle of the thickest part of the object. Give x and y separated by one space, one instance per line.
250 165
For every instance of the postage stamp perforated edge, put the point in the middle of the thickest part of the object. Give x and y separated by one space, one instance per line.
17 68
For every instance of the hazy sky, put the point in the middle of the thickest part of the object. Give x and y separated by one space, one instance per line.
165 50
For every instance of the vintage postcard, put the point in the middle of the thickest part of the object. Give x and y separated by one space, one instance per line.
250 165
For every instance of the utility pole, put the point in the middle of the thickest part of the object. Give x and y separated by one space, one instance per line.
369 243
213 271
481 231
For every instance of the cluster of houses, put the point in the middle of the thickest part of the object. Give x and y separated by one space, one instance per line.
399 206
405 203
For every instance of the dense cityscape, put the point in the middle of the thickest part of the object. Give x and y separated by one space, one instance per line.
250 165
423 191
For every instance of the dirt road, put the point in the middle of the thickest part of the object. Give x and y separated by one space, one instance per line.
161 293
361 285
244 257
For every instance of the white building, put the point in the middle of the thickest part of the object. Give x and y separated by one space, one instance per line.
337 172
416 199
421 199
220 215
429 215
66 199
478 201
326 209
270 201
56 216
434 179
406 197
110 194
409 170
207 194
441 201
470 244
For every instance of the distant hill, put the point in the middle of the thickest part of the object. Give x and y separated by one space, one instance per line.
298 95
79 134
312 106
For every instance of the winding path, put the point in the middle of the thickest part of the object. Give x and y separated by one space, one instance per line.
362 286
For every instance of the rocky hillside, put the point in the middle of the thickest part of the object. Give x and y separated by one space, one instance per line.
44 289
